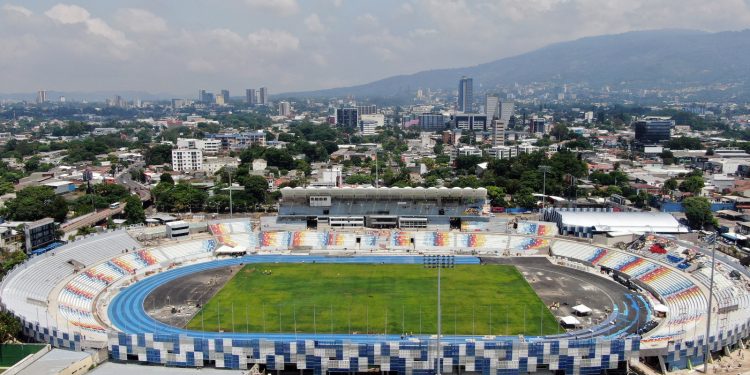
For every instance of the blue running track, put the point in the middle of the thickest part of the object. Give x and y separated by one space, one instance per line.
127 312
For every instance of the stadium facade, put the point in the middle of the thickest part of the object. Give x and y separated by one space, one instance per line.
406 208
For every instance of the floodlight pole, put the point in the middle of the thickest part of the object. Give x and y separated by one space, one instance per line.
706 351
544 169
439 262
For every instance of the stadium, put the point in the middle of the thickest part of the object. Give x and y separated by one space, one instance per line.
316 298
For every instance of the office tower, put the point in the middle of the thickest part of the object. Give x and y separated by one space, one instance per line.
250 97
652 130
285 109
491 107
465 94
498 132
538 125
347 117
263 96
505 110
178 103
470 121
367 109
41 96
431 122
225 96
202 96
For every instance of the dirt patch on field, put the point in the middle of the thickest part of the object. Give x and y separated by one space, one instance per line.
176 302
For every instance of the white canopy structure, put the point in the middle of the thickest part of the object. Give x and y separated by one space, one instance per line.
630 222
231 250
570 320
582 310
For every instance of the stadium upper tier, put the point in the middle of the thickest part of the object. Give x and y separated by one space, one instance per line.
69 288
384 193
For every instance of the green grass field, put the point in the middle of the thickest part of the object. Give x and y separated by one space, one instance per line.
376 299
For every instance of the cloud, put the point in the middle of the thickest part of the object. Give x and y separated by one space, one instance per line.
313 24
421 33
17 9
279 7
68 14
73 14
406 9
140 21
368 20
275 41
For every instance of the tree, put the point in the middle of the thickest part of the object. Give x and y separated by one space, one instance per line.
525 199
496 196
9 326
166 178
692 184
36 202
133 211
159 154
256 188
698 212
670 185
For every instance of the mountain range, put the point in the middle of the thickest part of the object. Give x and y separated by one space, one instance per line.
641 59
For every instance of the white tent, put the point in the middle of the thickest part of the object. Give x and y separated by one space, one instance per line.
570 321
581 310
231 250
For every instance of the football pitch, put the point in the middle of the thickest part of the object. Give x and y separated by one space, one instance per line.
376 299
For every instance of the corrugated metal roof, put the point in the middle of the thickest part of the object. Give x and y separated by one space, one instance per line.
634 222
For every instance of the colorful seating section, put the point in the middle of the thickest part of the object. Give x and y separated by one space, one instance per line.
534 228
77 296
685 300
234 233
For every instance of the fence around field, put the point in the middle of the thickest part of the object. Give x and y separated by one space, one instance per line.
458 318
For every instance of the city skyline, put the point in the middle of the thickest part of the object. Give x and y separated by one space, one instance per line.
290 45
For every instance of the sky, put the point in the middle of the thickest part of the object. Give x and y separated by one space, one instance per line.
180 46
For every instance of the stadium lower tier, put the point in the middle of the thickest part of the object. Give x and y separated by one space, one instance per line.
90 293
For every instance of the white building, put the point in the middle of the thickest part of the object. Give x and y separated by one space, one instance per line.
207 146
187 160
379 118
367 127
502 152
468 151
259 164
213 164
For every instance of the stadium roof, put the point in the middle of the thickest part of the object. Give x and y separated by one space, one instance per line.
629 222
384 192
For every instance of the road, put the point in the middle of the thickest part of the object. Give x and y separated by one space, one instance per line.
124 179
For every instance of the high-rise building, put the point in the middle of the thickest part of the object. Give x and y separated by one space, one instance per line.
263 96
367 127
178 103
431 122
186 160
285 109
652 130
465 94
498 132
41 96
225 96
201 96
347 117
250 97
367 109
538 125
492 107
470 121
506 108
